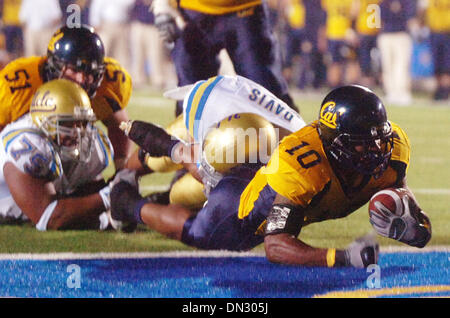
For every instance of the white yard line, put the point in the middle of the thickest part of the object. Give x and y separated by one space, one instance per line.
150 102
436 191
179 254
172 254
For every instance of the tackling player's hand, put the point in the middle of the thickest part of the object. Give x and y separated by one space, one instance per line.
126 203
361 253
150 137
412 228
167 27
126 175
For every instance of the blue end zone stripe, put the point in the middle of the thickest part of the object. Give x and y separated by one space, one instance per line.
191 98
402 275
201 106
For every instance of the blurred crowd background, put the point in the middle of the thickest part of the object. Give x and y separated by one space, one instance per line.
399 46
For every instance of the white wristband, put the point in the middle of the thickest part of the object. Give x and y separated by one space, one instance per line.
104 194
45 217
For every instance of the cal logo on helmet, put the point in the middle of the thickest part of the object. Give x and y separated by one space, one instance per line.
54 39
329 115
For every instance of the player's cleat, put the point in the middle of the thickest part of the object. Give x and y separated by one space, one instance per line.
153 139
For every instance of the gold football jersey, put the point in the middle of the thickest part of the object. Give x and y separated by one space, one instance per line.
20 79
300 171
438 15
339 18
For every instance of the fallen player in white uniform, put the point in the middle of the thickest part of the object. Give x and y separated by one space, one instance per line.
52 159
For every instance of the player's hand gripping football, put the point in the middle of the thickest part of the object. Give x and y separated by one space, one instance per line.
406 222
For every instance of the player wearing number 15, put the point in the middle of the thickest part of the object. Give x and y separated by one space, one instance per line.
76 54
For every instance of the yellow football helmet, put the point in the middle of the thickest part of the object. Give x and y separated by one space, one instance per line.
62 110
238 139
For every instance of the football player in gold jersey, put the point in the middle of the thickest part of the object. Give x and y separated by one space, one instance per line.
76 54
436 15
196 31
325 170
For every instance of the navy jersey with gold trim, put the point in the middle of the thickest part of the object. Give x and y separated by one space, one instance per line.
300 171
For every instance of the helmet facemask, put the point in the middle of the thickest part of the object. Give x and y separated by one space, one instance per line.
71 134
93 72
368 155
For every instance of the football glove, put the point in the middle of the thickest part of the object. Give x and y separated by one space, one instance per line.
362 252
126 203
153 139
123 175
167 28
412 228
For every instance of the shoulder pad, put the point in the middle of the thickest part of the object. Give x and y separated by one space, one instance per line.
19 81
402 146
106 147
31 153
114 92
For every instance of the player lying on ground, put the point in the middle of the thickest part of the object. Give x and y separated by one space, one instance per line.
76 54
256 108
51 162
323 171
184 189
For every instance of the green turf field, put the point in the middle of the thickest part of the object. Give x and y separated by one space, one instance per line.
427 125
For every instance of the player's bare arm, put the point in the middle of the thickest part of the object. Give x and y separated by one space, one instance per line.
34 196
281 243
121 144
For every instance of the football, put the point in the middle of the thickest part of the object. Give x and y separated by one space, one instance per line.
389 200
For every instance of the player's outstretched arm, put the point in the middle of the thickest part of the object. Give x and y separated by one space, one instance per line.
282 245
38 201
122 146
157 142
137 163
128 206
